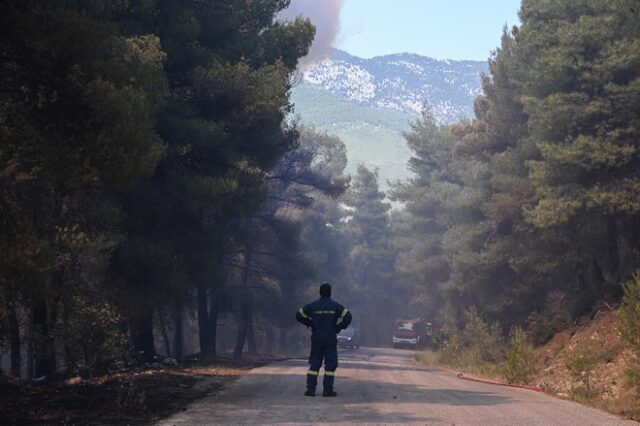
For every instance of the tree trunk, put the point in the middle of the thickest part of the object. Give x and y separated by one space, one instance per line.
626 251
214 312
270 338
283 340
163 330
242 332
70 358
30 354
251 334
14 340
177 332
203 320
142 337
45 360
244 309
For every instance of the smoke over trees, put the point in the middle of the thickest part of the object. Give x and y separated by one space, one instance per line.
325 17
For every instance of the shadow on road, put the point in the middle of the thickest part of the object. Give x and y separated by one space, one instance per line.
354 415
381 391
359 401
350 365
381 386
375 391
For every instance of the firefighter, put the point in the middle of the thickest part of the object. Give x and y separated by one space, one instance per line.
323 316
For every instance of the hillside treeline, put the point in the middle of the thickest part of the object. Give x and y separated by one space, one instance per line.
152 177
530 212
154 180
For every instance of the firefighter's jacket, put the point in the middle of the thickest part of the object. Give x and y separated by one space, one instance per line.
323 316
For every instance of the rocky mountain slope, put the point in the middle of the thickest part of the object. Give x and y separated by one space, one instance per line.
402 82
370 102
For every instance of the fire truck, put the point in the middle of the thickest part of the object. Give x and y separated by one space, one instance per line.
411 333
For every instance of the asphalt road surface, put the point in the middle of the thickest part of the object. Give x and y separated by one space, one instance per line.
382 386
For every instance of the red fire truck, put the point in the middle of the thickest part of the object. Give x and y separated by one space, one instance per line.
412 333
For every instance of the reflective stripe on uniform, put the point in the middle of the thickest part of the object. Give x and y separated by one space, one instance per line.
344 312
329 373
324 312
302 313
312 372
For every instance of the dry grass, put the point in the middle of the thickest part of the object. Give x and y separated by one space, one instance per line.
465 362
587 364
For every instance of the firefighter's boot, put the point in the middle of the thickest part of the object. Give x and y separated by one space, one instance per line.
312 382
327 383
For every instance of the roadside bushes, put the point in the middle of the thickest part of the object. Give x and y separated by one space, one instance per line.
484 341
580 364
629 325
630 312
92 334
519 365
478 345
440 338
542 326
576 362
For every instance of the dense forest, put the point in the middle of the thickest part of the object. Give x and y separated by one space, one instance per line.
154 180
146 164
536 199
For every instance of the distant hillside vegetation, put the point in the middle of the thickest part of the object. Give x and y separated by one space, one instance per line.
368 103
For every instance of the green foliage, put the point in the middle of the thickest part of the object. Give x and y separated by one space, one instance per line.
452 352
629 325
439 339
419 231
541 327
148 152
135 136
537 194
478 347
520 364
94 331
633 377
581 363
371 256
228 69
582 109
484 340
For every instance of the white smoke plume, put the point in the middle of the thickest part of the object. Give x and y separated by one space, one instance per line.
325 15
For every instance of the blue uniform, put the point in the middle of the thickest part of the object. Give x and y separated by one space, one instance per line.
323 316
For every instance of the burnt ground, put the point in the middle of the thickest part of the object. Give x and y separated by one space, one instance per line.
138 397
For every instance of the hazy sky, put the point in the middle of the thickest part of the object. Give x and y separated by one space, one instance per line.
443 29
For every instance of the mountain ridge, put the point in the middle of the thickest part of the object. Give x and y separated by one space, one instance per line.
368 103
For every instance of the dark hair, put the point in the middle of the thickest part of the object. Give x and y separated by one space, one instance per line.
325 290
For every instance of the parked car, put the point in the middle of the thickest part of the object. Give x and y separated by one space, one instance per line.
349 338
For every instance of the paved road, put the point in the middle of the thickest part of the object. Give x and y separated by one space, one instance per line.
382 386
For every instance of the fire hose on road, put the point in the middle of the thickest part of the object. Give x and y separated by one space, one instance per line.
491 382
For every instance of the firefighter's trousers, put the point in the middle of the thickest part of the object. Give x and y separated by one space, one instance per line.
320 352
